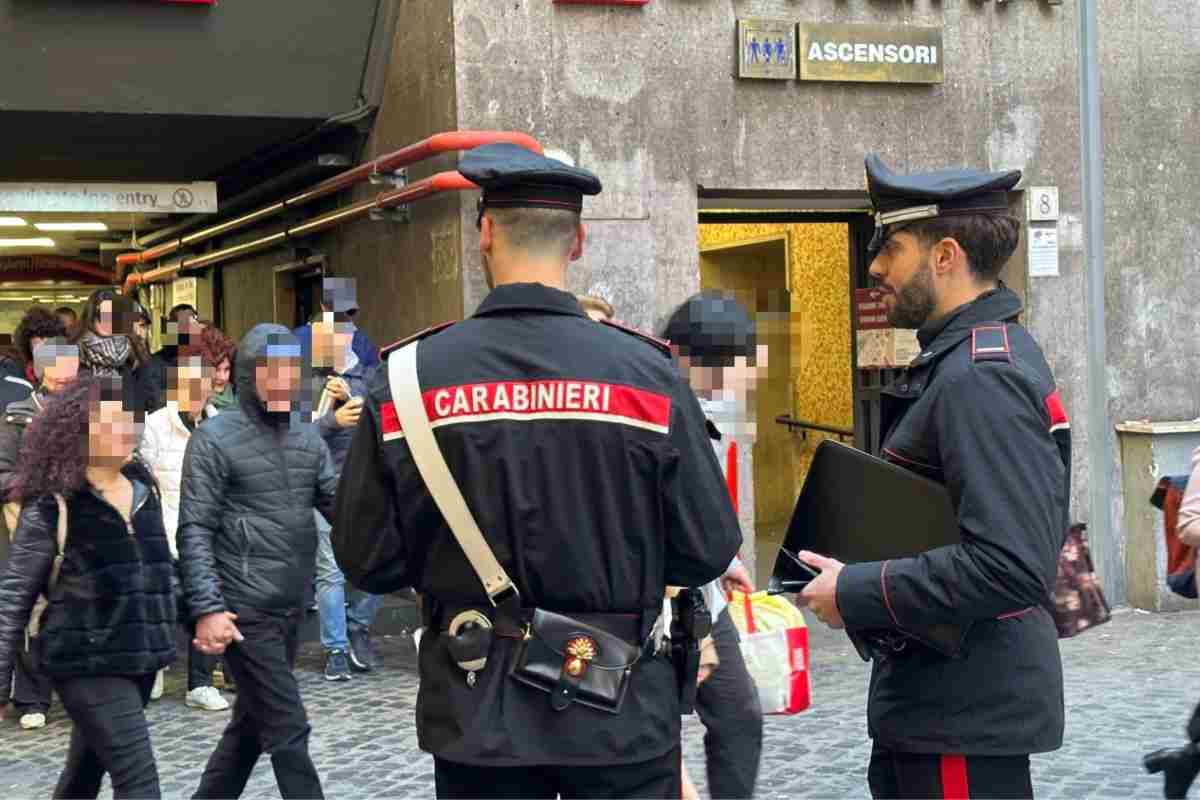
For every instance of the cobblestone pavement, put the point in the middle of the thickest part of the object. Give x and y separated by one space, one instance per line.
1131 686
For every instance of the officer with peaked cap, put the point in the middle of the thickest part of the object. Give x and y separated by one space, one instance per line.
548 681
977 411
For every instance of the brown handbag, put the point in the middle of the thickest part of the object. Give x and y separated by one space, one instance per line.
1079 602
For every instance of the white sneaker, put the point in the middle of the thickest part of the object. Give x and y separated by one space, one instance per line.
32 722
206 698
157 690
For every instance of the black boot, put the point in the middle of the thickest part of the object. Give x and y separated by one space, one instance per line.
1179 767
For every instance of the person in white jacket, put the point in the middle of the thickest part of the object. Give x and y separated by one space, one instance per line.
164 442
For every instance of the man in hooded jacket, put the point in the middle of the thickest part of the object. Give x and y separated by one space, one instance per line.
247 540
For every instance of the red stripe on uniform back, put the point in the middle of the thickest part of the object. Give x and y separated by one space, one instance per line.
954 778
547 398
540 400
1054 407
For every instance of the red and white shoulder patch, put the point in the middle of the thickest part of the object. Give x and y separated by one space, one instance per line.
1057 413
394 346
662 344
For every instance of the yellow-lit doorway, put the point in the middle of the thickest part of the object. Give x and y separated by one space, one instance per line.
796 275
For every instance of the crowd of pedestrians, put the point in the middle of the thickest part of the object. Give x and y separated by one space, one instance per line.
117 468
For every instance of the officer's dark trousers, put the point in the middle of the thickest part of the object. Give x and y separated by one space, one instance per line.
921 776
110 735
31 688
268 714
728 705
657 778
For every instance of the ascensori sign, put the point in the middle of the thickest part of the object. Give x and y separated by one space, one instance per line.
870 53
140 198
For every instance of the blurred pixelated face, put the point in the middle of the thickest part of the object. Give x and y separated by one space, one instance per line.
68 321
140 328
60 372
221 375
277 380
735 378
191 384
331 341
178 332
903 270
104 319
113 432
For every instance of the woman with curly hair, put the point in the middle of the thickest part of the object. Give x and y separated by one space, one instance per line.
38 325
109 624
219 350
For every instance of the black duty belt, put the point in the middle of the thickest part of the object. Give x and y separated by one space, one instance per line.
628 627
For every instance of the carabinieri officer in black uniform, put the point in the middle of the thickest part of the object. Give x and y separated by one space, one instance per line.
979 412
586 463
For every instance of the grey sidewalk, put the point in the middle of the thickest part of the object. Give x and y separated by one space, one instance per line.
1130 687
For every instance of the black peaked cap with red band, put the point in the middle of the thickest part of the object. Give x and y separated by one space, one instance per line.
513 177
901 199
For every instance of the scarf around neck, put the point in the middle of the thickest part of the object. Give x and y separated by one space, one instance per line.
105 355
225 399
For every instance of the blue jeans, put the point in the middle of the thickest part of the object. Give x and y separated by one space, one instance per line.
331 596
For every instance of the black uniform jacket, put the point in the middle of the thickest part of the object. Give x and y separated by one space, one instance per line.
251 479
979 412
585 460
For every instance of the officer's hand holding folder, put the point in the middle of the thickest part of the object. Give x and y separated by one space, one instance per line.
858 508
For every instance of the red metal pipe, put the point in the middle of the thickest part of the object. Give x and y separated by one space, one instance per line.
390 162
435 184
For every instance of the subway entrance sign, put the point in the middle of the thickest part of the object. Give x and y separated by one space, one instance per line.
870 53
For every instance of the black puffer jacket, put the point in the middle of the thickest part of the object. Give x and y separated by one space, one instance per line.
112 611
247 538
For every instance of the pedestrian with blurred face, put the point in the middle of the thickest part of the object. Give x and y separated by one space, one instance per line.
178 329
38 325
715 344
90 538
108 347
56 364
340 384
164 442
247 547
220 351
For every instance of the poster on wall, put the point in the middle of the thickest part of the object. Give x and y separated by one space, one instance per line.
880 346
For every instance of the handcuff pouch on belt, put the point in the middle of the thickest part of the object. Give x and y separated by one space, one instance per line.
469 640
574 662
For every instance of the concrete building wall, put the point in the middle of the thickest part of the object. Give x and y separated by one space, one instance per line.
1150 68
646 98
408 273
